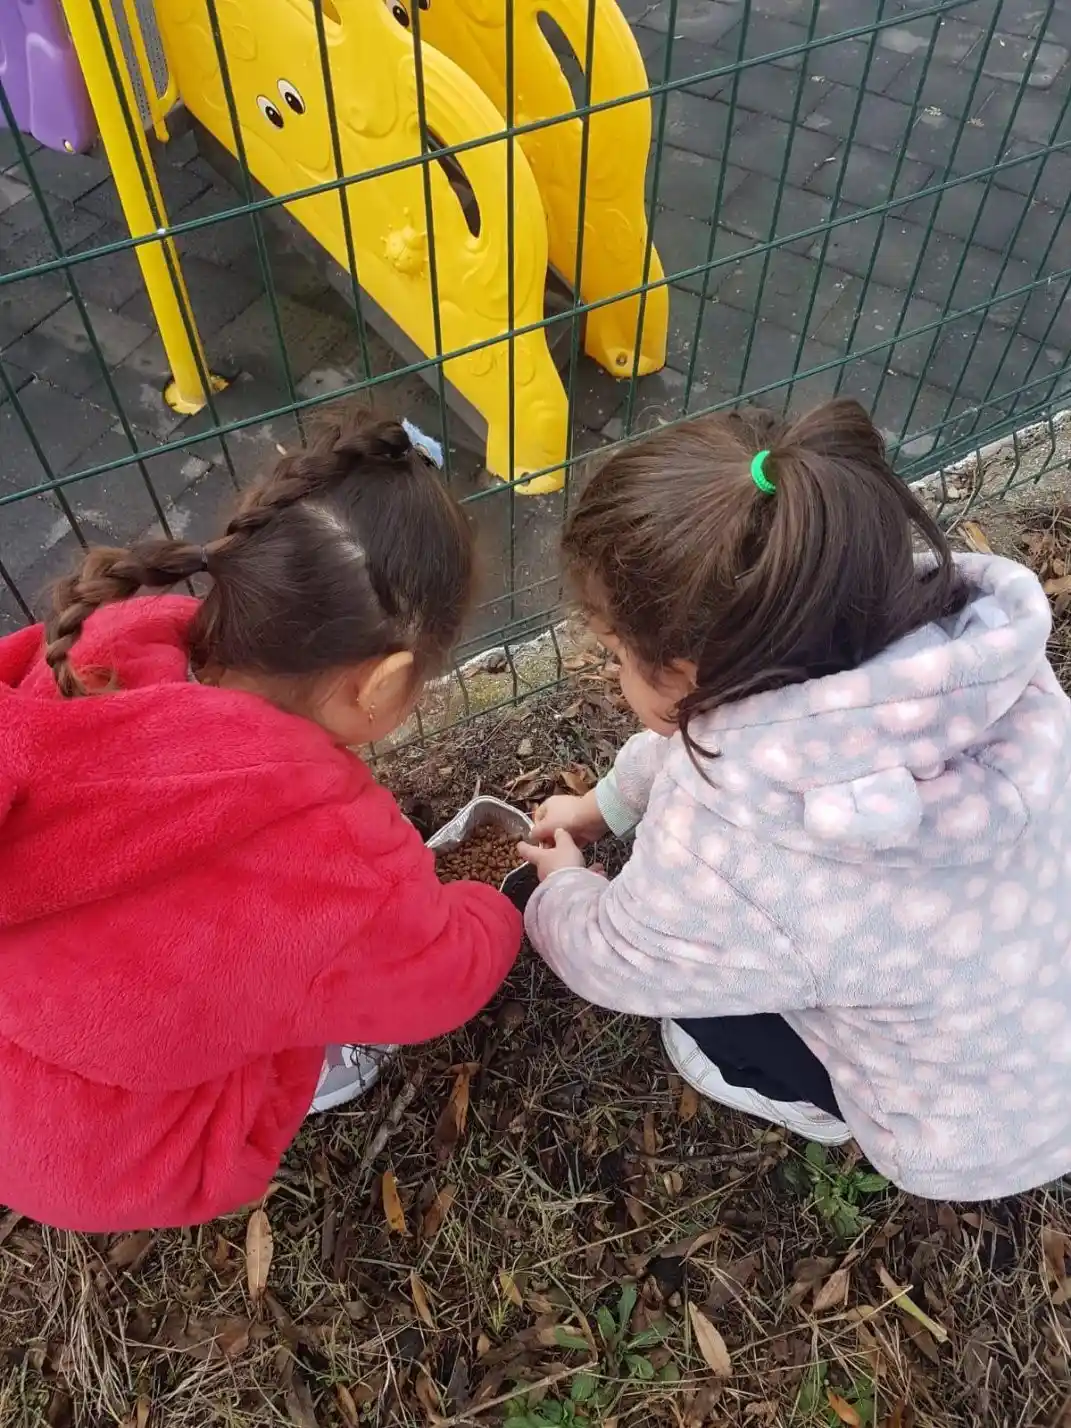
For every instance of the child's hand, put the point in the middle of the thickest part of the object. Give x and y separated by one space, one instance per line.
547 859
579 817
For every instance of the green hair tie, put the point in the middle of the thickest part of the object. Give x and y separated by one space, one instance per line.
758 474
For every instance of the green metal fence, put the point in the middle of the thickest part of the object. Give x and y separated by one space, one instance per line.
859 196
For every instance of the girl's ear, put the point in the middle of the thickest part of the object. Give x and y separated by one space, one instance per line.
385 682
681 677
369 701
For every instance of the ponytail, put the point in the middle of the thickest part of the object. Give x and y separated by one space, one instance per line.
764 552
350 549
105 577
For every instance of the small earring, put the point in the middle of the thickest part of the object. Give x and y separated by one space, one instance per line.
371 712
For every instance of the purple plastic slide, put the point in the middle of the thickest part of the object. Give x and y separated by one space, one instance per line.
41 77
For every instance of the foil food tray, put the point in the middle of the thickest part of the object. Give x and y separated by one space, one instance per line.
521 883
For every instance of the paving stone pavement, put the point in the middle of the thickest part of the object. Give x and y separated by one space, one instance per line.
767 208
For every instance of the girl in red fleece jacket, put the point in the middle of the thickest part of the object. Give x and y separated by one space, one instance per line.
200 886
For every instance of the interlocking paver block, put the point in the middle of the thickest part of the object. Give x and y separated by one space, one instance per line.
690 184
139 381
110 279
26 303
762 209
771 146
11 192
68 176
983 215
119 501
1046 178
702 21
65 425
23 231
217 295
696 124
869 177
1016 60
955 40
868 315
842 112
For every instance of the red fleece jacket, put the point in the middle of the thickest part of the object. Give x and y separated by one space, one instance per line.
197 893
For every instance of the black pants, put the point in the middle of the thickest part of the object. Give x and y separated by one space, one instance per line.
763 1053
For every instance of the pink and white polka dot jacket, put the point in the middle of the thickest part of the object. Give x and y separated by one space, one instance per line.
883 857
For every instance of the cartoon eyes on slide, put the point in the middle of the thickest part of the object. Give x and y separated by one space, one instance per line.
401 14
291 98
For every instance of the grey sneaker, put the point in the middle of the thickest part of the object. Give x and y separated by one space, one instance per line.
348 1072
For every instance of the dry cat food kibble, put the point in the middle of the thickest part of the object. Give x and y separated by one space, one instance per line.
486 856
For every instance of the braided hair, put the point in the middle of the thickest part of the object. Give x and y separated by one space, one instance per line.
350 550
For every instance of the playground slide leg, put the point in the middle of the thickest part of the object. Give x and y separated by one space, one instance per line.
96 40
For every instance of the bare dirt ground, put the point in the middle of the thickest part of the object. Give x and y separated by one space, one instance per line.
534 1223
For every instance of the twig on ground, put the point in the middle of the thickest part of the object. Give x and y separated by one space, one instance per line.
404 1099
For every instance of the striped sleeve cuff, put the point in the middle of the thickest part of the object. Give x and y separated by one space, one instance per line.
620 816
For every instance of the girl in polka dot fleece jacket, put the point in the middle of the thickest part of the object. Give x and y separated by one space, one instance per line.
848 895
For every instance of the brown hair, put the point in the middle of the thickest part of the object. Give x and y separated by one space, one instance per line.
676 549
350 549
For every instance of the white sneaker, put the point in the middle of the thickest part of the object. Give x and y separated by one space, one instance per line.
699 1071
348 1072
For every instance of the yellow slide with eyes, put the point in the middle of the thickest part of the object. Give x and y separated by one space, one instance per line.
473 32
273 58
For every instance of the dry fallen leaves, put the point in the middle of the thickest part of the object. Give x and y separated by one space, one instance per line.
1056 1247
232 1337
429 1398
976 538
808 1275
526 783
437 1212
834 1293
220 1257
140 1416
578 779
347 1405
455 1114
650 1134
983 1223
688 1106
131 1249
509 1288
299 1405
710 1343
845 1411
259 1247
922 1340
766 1409
636 1211
392 1204
420 1299
700 1405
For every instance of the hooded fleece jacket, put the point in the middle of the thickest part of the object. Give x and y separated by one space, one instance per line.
197 893
883 857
